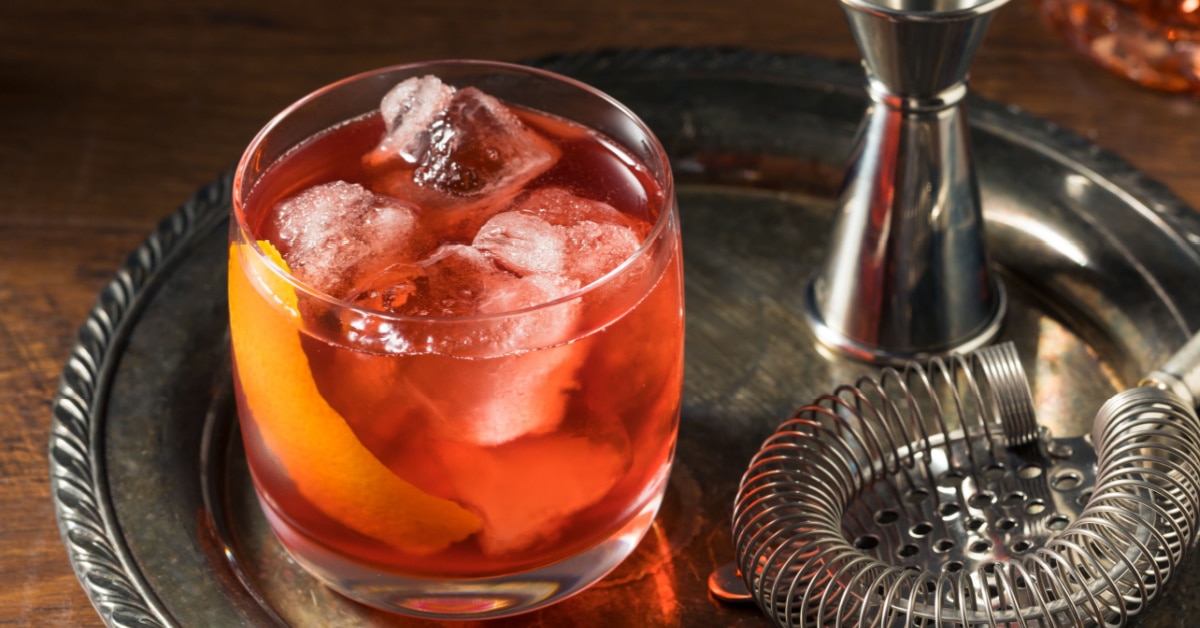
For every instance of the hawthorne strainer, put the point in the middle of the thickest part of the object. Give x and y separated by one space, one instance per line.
929 496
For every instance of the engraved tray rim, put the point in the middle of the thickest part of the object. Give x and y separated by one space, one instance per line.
87 523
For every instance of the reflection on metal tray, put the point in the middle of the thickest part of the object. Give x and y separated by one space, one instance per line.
153 497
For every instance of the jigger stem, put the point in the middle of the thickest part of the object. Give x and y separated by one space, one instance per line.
906 274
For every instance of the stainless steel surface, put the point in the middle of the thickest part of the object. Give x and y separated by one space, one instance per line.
1100 265
894 502
906 274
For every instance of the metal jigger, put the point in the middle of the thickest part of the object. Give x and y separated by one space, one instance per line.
906 274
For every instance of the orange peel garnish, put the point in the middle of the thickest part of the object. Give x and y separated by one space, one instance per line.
324 458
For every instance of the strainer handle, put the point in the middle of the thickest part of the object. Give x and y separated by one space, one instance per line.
1180 374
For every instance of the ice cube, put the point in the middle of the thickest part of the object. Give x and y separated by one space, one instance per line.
524 392
558 206
409 110
596 249
527 490
389 289
468 148
518 395
542 226
334 234
523 244
553 323
480 146
451 282
461 280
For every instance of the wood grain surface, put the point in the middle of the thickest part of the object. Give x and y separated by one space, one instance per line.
112 113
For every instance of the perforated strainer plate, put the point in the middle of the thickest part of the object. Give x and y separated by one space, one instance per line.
943 518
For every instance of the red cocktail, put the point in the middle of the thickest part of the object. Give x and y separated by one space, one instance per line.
457 329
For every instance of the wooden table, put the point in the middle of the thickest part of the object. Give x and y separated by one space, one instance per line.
111 117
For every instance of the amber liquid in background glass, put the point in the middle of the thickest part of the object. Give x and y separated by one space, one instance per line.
1153 42
542 497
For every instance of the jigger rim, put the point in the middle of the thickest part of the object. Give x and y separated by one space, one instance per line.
883 8
833 338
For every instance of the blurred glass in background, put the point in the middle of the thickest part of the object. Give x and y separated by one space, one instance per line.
1153 42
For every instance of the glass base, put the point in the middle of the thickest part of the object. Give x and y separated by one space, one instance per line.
476 598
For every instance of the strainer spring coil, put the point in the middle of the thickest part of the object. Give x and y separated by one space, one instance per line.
791 542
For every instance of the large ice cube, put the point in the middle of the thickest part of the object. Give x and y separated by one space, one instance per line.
462 147
334 234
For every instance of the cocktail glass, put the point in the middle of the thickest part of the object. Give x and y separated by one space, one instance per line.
446 464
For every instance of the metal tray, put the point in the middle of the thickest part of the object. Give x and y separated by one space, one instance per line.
153 496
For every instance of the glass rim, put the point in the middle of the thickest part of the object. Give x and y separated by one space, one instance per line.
665 215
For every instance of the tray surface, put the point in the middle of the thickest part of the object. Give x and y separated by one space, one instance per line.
153 496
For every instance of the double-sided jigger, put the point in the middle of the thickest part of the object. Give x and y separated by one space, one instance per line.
906 273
